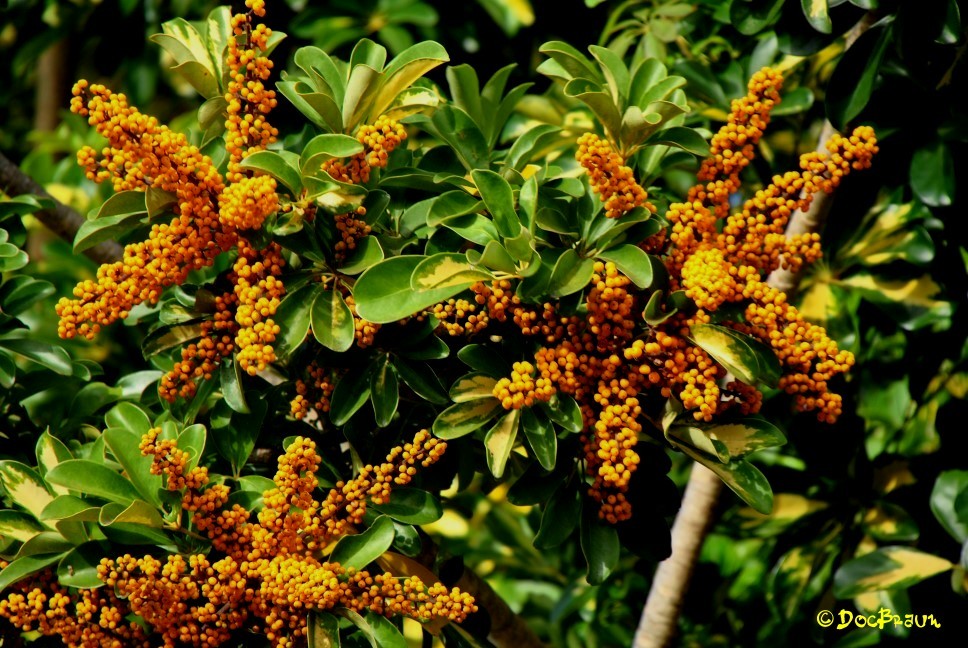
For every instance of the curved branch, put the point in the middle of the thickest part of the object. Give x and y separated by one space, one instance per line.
62 220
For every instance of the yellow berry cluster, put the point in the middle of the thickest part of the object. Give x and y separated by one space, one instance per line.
249 101
609 176
521 389
379 140
245 203
258 291
141 154
459 317
314 393
264 576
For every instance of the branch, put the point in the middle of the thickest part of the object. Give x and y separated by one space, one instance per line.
62 220
660 618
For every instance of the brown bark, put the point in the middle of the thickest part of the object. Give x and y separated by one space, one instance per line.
508 630
62 220
51 90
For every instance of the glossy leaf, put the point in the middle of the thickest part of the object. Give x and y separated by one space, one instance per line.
411 506
541 437
746 358
472 386
384 391
560 517
384 293
332 321
886 568
94 479
599 543
933 174
500 440
358 551
949 503
632 261
463 418
25 487
275 165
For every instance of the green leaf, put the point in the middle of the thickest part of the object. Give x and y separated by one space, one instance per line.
164 338
483 359
368 253
560 517
236 440
419 377
22 567
933 174
746 435
125 447
886 568
949 503
351 392
25 487
70 508
472 386
742 477
19 293
378 630
124 203
497 258
384 392
129 417
230 377
78 567
564 410
138 512
293 315
405 68
464 418
499 200
632 261
852 81
275 165
17 525
54 358
384 294
599 543
499 441
700 440
93 478
541 437
745 357
322 630
332 321
571 273
358 551
816 13
446 270
888 522
50 451
327 147
411 506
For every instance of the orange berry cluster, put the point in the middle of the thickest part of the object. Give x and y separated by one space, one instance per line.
246 203
459 317
200 359
258 291
729 263
379 140
249 101
521 389
365 331
141 154
262 576
610 178
80 617
351 229
318 389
